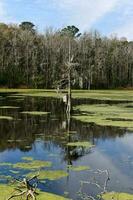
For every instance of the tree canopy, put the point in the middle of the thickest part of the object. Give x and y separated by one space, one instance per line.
70 31
38 60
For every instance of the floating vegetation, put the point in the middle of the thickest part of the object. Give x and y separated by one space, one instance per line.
106 115
6 191
14 96
14 172
35 164
34 113
27 158
5 164
8 107
117 196
80 144
16 141
78 168
6 118
50 174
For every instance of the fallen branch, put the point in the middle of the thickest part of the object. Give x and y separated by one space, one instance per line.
29 190
103 187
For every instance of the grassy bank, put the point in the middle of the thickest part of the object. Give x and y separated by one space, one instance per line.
110 95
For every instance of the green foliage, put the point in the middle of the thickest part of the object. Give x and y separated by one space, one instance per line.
29 59
70 31
27 26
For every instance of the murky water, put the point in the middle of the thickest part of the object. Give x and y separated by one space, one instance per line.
45 138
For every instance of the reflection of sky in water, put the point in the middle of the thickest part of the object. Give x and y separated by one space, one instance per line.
113 151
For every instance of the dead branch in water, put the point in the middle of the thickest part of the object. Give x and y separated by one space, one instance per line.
28 189
103 187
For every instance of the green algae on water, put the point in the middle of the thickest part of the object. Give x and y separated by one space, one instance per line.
6 164
80 144
50 174
14 172
106 115
35 164
78 168
27 158
6 118
117 196
36 113
9 107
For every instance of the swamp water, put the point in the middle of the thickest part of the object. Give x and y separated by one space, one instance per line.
34 132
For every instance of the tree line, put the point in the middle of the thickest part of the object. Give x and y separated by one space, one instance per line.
38 60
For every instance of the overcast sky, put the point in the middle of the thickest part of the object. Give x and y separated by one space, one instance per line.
106 16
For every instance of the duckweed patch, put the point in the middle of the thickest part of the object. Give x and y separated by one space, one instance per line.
80 144
8 107
79 168
117 196
6 118
27 158
5 164
106 115
35 164
51 174
39 113
14 172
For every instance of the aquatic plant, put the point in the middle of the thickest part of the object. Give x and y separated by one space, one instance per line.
80 144
32 165
78 168
105 115
6 118
27 158
34 113
50 174
8 107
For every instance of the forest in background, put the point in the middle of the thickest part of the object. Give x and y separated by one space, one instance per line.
38 60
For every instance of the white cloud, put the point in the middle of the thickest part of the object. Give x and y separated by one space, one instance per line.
84 13
126 20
